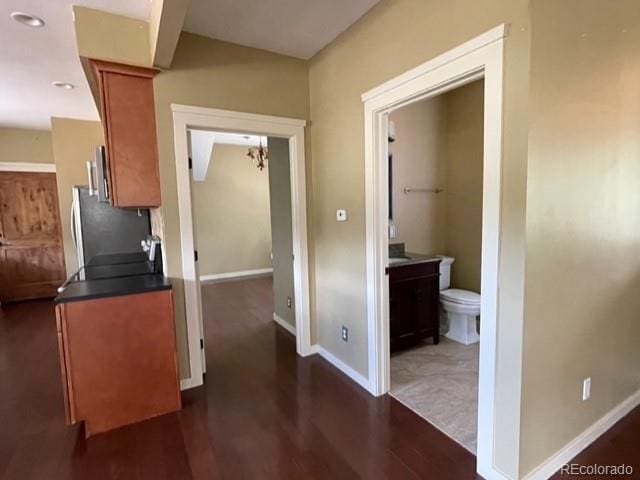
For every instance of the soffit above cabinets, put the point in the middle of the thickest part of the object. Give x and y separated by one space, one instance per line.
289 27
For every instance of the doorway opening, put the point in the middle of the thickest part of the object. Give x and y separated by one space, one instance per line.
286 137
241 194
480 58
435 245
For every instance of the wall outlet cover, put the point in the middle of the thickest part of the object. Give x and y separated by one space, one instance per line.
341 215
586 389
289 302
345 333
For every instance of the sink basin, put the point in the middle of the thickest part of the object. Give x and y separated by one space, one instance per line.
393 260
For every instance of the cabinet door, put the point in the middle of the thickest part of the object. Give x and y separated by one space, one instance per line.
121 362
128 116
402 313
66 394
427 296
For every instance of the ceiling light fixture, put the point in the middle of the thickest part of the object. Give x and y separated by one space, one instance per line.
28 20
63 85
259 155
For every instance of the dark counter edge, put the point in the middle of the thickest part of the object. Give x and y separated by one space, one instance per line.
415 258
113 287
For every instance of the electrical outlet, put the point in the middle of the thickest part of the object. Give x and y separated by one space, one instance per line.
345 333
586 389
341 215
289 302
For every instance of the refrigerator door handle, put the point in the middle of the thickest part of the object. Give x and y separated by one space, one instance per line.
92 187
73 224
100 166
76 226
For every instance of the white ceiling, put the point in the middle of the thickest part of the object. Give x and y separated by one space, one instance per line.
299 28
32 58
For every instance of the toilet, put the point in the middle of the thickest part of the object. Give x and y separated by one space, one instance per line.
458 308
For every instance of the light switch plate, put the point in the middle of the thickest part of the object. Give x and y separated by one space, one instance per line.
341 215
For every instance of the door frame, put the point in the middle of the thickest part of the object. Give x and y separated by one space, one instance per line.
481 57
188 117
32 167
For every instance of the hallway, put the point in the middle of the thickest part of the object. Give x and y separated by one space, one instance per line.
263 412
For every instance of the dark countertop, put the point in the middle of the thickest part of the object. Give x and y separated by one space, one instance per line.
414 258
111 276
113 287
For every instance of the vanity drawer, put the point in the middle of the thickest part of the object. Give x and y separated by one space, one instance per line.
415 270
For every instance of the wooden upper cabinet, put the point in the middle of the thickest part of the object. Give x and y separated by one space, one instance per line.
128 116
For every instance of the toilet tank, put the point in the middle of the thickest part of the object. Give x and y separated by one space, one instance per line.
445 271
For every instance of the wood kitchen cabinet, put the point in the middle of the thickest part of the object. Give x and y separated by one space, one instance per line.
414 291
118 359
128 116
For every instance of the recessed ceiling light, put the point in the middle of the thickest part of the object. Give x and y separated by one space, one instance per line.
28 20
64 85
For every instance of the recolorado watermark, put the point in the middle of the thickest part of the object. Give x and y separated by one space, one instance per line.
596 469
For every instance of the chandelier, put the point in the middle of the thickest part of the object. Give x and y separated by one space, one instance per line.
259 155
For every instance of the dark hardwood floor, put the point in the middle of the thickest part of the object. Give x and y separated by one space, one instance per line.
264 412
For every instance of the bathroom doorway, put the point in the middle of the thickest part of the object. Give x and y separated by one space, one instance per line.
435 245
479 58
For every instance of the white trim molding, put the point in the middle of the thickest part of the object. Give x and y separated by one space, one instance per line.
481 57
186 117
284 324
27 167
229 276
343 367
550 466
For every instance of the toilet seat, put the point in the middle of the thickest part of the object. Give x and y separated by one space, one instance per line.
460 297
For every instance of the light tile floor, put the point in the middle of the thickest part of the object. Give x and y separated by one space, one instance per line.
440 383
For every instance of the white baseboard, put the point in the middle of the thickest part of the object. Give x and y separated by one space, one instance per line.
284 324
343 367
582 441
221 277
190 382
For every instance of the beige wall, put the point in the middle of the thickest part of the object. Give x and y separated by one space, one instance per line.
419 162
231 213
392 38
439 145
74 143
111 37
25 145
210 73
463 186
583 268
281 228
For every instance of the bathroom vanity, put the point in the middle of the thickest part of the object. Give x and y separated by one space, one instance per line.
414 290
